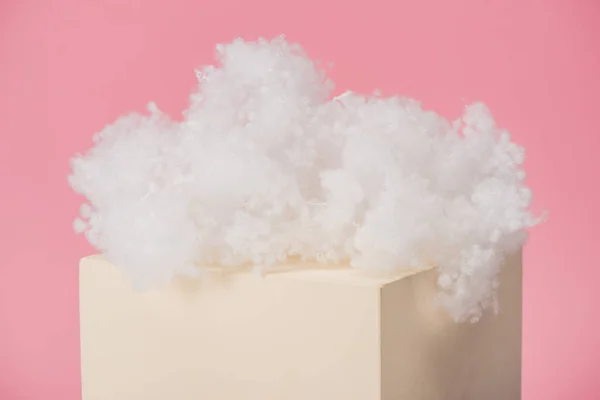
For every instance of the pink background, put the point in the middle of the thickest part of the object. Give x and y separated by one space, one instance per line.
68 67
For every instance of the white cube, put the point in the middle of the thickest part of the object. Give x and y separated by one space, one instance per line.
296 334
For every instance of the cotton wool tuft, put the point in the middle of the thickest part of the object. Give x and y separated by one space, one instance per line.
266 166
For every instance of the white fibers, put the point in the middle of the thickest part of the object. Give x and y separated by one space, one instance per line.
266 166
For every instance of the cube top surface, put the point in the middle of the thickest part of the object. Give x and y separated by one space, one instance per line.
300 271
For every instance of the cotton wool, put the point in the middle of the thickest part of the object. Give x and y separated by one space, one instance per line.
266 166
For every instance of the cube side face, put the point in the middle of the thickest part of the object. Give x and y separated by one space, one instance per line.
427 356
240 337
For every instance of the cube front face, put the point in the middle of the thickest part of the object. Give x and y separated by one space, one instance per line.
312 335
244 337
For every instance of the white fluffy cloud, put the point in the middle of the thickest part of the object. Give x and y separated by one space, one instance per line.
266 165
